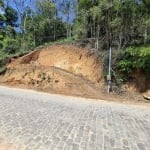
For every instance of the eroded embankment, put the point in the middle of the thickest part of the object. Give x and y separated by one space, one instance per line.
60 69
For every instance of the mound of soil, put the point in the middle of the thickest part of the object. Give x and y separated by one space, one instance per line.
137 82
60 69
70 58
63 69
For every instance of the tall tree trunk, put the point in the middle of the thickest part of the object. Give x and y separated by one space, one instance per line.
55 13
91 28
145 35
24 23
97 38
67 25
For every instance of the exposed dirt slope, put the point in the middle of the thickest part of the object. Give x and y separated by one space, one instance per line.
52 79
77 61
63 69
138 82
59 69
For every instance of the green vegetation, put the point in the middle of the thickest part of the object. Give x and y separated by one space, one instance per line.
135 58
122 24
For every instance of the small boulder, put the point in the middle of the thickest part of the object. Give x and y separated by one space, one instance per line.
146 95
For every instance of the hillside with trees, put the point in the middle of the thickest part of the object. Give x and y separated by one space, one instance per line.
123 25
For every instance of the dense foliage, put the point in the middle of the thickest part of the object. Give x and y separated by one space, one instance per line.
122 24
135 58
118 23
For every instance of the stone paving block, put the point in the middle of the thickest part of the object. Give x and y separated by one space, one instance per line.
52 122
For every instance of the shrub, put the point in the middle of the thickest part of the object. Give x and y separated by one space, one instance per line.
135 58
11 46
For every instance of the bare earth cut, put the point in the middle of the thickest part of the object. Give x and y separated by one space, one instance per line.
60 69
63 69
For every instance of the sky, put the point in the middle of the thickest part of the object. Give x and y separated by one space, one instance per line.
1 11
32 4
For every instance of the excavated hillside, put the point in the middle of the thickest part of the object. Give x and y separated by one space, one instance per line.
62 69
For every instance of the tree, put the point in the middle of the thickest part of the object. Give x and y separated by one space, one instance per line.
117 23
23 8
2 16
147 4
11 16
8 19
66 7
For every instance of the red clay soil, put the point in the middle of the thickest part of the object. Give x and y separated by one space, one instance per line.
62 69
70 58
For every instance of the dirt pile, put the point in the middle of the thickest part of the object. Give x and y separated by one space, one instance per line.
70 58
64 69
60 69
137 82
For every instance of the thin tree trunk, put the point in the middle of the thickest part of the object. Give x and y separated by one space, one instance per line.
67 26
91 28
55 14
94 28
98 37
54 30
145 35
24 23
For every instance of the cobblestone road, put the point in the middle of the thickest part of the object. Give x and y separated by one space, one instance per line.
38 121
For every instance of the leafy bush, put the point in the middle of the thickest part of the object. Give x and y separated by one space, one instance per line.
10 46
135 58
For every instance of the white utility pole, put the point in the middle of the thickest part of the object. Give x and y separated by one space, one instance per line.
109 70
